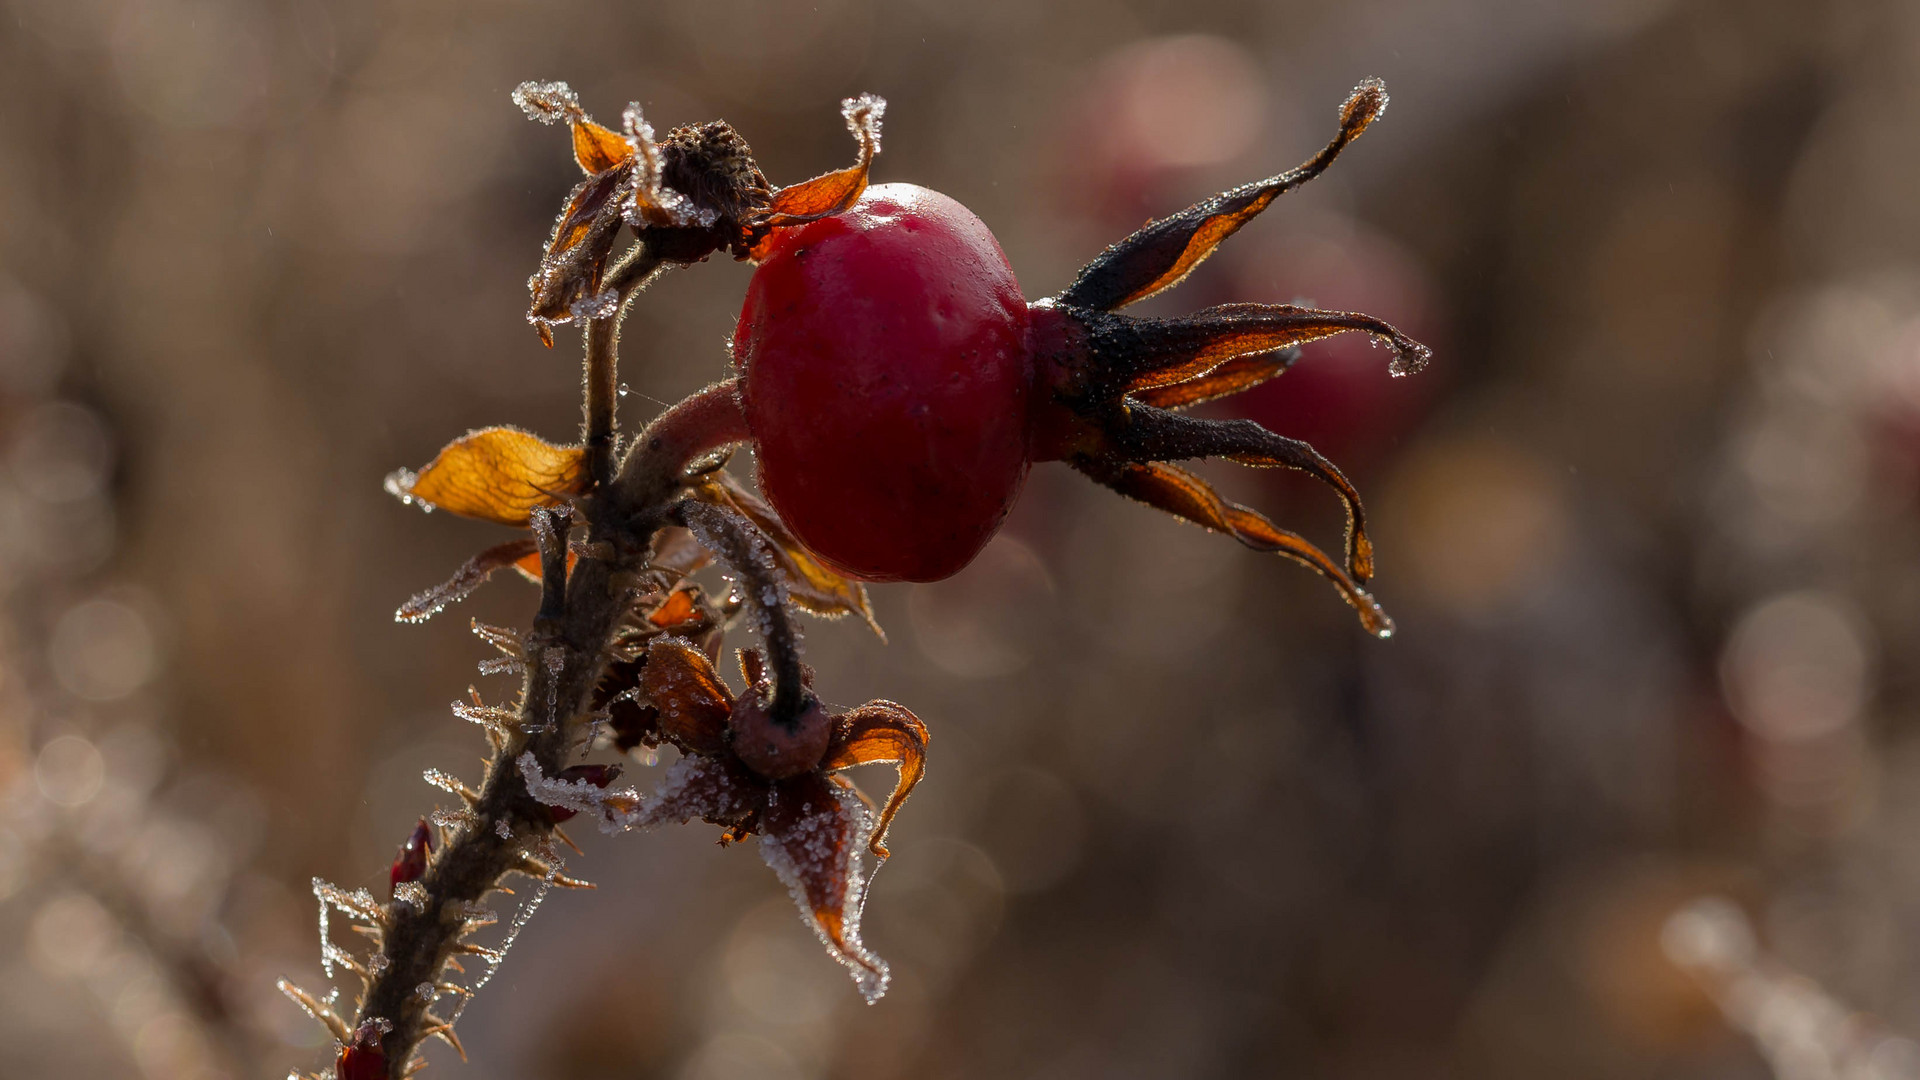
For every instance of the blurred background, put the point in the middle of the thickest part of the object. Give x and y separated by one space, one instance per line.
1650 525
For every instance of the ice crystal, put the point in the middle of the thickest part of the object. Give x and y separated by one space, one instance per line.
411 893
446 782
617 810
862 114
601 305
399 484
453 821
491 717
548 102
358 904
502 665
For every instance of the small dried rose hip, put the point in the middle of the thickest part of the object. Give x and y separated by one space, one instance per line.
772 749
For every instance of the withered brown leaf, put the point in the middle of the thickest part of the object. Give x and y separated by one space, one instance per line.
495 474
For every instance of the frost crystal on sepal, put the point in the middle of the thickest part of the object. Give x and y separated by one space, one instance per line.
699 787
618 811
862 113
820 864
548 102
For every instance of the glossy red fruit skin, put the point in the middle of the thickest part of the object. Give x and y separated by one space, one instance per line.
885 375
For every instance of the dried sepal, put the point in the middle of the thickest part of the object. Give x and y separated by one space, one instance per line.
810 583
1163 352
471 575
598 148
881 732
567 284
1157 435
831 193
496 474
713 789
1161 254
1229 377
1184 495
811 835
693 704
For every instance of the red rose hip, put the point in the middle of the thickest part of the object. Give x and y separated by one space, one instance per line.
885 378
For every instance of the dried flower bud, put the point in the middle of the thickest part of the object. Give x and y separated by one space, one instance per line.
411 863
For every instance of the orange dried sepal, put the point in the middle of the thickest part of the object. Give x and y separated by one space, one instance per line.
1229 378
811 834
810 583
496 474
599 148
693 703
830 193
881 733
1160 255
1184 495
680 611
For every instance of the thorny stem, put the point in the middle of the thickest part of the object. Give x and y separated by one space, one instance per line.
507 829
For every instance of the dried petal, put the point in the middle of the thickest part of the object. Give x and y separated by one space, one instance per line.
881 732
811 835
496 474
809 582
471 575
831 193
694 704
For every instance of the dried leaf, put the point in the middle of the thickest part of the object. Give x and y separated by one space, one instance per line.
811 835
881 732
694 704
496 474
810 583
471 575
